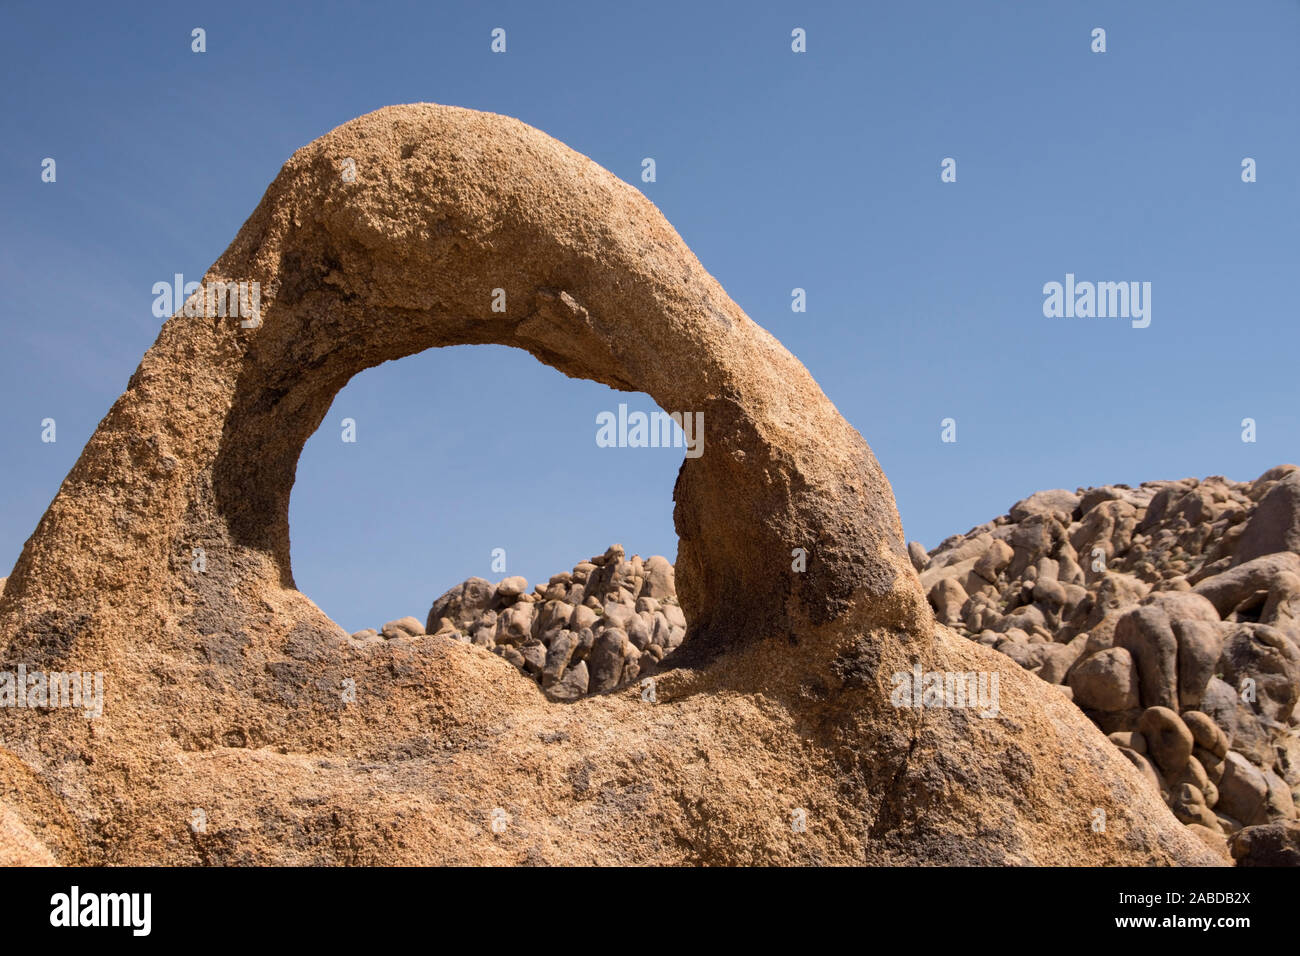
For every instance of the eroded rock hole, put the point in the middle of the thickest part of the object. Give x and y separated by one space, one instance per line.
607 622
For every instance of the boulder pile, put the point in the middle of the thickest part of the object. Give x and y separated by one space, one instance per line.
1170 614
602 625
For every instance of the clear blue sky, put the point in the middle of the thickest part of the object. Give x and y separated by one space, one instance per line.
818 170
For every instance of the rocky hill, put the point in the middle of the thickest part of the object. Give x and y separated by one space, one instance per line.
1170 614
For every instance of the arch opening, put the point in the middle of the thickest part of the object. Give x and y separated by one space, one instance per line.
478 465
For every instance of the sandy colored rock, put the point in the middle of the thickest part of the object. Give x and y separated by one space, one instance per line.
18 846
1146 633
1270 844
404 626
1106 681
1207 734
1268 657
947 598
1168 740
916 553
1275 525
1228 589
1054 500
1243 791
512 587
1214 839
779 696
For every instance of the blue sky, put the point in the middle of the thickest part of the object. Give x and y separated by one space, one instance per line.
780 170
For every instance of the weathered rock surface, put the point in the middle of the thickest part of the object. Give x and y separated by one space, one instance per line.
229 692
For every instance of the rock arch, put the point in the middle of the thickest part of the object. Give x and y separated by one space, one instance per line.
448 205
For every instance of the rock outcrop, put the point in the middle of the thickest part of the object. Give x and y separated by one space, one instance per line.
241 725
1170 613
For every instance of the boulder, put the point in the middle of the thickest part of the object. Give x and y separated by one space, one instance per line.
1243 791
916 554
1027 619
1109 526
512 655
558 654
1095 496
583 616
512 587
1279 802
1199 646
1230 588
1267 844
675 615
659 580
1282 605
639 629
1189 806
447 629
402 627
534 653
515 624
1054 660
993 561
1052 501
1129 738
1195 774
1034 537
1206 732
947 598
1264 655
554 615
572 685
1106 680
1116 591
462 604
1144 767
1275 525
963 550
605 661
1169 742
1145 632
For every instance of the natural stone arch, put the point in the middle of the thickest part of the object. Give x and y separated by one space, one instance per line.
448 205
